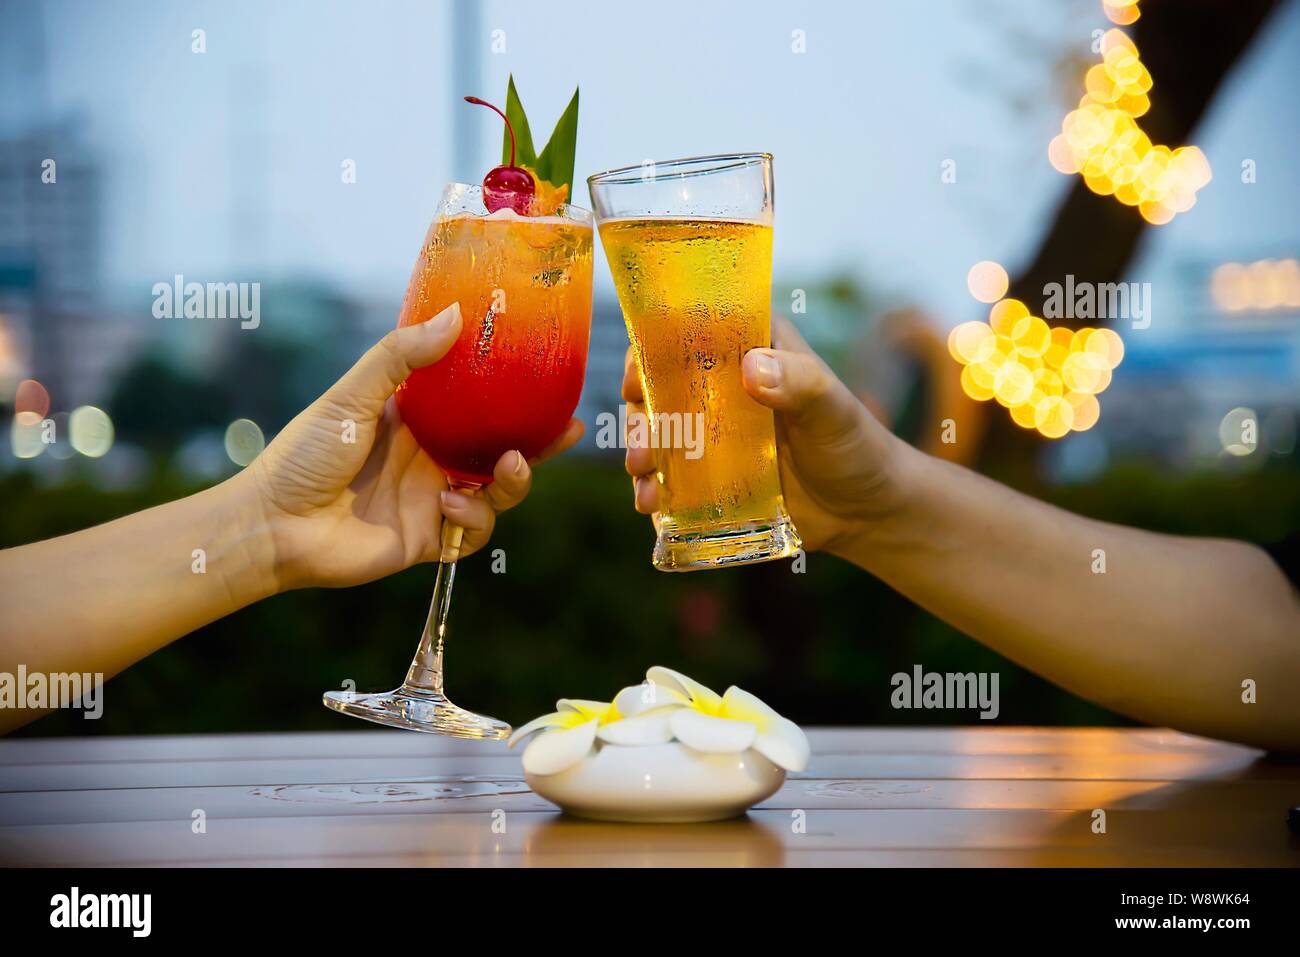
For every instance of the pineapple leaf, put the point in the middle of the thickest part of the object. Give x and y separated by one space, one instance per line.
555 164
524 153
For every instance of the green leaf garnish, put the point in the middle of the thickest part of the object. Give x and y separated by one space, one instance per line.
555 163
524 153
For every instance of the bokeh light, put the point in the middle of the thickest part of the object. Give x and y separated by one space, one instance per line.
987 281
1012 384
55 435
971 342
1105 344
1087 410
1261 286
1122 12
244 441
1047 377
1102 141
974 389
1032 337
1239 431
1006 316
31 396
90 431
1053 416
25 435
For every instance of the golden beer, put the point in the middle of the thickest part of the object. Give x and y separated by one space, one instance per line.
696 297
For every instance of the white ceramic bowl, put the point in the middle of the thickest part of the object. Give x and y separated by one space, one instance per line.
660 783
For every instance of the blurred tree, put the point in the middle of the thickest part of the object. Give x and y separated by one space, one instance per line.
266 380
306 337
579 612
157 403
1190 47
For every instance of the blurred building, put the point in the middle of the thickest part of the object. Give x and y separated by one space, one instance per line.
1236 345
50 218
602 389
51 202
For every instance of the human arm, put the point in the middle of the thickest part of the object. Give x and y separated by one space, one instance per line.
343 495
1167 634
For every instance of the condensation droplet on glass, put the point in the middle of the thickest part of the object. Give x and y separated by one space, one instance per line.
485 333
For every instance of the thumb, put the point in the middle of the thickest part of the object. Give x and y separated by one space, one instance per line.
806 393
387 363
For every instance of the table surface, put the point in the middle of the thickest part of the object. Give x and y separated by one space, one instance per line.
913 797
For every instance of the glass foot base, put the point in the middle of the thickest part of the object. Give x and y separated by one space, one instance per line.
416 710
719 547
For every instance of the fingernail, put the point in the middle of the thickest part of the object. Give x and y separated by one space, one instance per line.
446 319
767 369
453 500
520 464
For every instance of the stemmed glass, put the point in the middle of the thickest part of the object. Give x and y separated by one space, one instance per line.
511 381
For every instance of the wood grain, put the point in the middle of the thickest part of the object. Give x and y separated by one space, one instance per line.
871 797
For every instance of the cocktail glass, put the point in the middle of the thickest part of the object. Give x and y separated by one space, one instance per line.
511 381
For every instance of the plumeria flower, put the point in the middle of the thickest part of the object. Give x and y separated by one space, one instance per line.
733 722
638 715
570 733
667 706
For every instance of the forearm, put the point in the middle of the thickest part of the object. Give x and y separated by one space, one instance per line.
101 599
1161 628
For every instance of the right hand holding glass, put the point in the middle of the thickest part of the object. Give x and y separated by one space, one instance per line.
839 465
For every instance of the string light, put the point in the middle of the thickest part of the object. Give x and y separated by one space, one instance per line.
1122 12
1102 141
1047 377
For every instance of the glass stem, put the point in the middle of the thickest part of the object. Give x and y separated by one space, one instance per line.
425 673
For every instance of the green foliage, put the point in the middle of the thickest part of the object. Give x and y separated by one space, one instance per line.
158 402
579 612
193 402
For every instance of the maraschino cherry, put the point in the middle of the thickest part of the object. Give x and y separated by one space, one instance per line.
506 186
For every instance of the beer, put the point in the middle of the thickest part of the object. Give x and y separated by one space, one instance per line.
696 297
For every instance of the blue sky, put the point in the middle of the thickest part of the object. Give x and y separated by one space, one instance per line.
227 164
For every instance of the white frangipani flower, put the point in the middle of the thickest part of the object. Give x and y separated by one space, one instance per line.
667 706
570 731
736 721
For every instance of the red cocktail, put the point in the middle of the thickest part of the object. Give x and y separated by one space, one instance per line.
514 376
517 258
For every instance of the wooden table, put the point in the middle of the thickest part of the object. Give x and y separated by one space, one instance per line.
978 796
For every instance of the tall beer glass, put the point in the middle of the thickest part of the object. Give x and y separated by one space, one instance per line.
689 243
